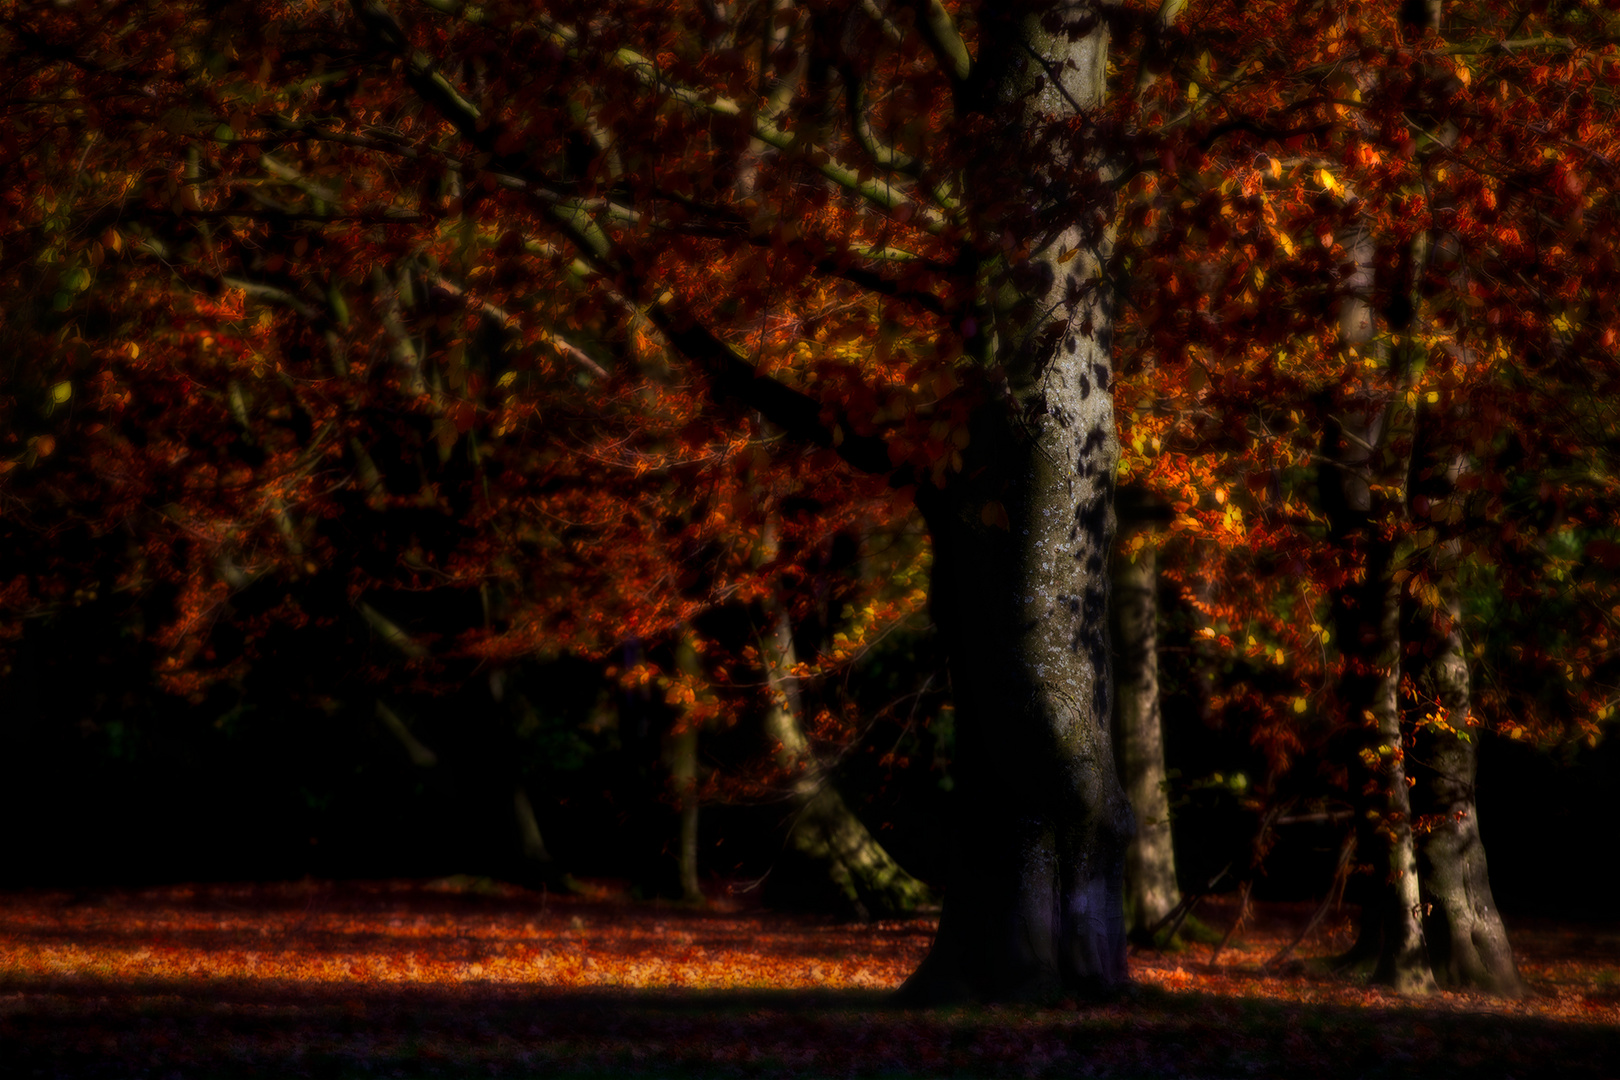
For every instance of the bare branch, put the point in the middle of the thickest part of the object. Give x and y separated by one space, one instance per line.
1153 46
938 29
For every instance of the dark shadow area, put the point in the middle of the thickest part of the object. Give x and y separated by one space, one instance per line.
316 1010
84 1027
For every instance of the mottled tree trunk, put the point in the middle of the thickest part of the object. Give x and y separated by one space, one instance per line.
1468 945
1033 904
1022 536
1150 861
824 830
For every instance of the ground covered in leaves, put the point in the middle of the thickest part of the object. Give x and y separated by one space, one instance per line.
465 978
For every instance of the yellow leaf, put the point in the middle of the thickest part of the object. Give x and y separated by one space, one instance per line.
1432 396
1067 255
1275 169
1300 705
1192 91
1328 180
61 392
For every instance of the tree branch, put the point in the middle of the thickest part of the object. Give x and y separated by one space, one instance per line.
798 414
435 89
938 30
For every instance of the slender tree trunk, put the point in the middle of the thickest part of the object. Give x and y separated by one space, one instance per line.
824 829
1367 619
1150 861
681 756
1468 945
1206 660
533 844
500 754
1022 534
1368 461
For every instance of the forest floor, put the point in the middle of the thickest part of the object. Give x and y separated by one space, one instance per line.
463 978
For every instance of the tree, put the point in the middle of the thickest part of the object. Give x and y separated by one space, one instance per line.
1150 864
914 262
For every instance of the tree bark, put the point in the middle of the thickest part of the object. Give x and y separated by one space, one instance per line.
1022 534
1367 619
824 829
1367 461
1150 861
1468 945
681 755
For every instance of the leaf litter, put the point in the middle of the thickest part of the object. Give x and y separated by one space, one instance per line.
466 977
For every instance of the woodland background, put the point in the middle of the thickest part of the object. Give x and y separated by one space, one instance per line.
370 509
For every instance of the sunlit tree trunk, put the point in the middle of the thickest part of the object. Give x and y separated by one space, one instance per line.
1150 861
1022 535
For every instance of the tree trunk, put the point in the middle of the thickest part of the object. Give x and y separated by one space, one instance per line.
681 756
499 751
1021 535
1468 945
1367 619
1150 861
825 830
1367 465
528 826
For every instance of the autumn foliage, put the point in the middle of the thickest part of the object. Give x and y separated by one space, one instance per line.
370 359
